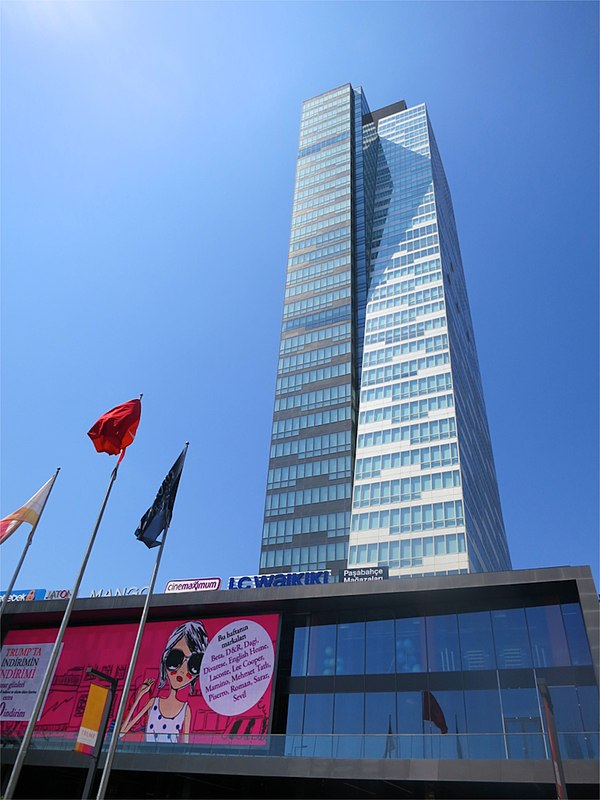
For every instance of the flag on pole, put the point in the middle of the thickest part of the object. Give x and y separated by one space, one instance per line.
390 744
116 429
30 512
432 711
158 516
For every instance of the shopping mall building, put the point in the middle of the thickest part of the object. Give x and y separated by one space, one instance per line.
424 688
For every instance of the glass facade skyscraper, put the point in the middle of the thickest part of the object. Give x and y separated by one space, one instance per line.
380 451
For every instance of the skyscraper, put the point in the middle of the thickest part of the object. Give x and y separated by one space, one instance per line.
380 451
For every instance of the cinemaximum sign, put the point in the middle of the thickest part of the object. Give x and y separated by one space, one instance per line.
280 579
193 585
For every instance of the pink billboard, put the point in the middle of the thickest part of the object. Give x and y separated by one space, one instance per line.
193 678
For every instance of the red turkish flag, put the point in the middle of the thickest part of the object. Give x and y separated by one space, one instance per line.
432 711
116 429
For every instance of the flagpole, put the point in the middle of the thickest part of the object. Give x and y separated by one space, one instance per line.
41 695
27 545
114 740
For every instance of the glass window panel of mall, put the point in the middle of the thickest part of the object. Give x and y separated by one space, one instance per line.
446 685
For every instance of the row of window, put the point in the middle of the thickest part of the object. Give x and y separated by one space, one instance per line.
299 231
317 556
391 289
286 502
316 148
316 110
324 268
401 334
416 409
412 519
317 164
439 455
313 446
402 317
404 369
283 530
408 258
283 428
408 218
407 552
313 357
334 98
419 432
293 382
403 489
334 468
331 334
385 354
312 241
334 395
321 175
324 132
320 254
492 724
326 186
299 219
413 299
318 301
337 279
321 200
516 638
422 268
412 388
319 318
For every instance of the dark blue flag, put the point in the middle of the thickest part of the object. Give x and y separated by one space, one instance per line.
158 516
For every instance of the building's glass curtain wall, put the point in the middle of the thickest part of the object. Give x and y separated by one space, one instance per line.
449 686
307 510
380 451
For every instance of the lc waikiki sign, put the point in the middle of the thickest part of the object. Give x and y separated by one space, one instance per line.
280 579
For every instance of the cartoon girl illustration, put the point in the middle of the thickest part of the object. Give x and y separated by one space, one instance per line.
168 717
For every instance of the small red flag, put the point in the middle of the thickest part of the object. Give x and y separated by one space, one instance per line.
116 429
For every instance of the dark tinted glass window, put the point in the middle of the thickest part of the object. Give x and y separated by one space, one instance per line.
567 713
410 721
444 716
511 638
300 651
350 649
485 720
522 723
349 713
547 636
295 713
380 725
321 650
442 643
380 651
348 725
476 641
576 636
411 653
318 719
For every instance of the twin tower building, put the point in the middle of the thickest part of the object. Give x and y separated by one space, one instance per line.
380 449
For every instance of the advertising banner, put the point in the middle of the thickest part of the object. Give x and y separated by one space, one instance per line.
24 594
193 678
92 718
22 670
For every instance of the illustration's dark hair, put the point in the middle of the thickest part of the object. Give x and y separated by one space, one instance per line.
196 639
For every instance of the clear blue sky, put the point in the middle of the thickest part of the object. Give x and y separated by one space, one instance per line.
148 157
